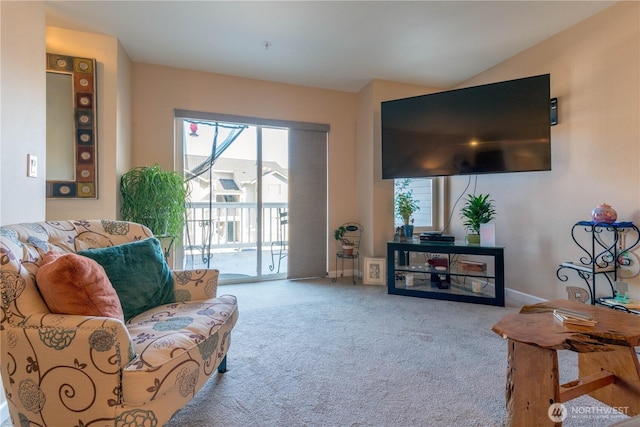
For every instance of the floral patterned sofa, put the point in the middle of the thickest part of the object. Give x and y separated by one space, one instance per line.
74 370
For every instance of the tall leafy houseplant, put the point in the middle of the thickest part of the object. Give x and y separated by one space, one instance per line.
405 205
154 197
476 210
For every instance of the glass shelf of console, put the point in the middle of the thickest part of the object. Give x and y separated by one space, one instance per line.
454 271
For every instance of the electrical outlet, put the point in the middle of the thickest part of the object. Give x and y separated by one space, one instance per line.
32 165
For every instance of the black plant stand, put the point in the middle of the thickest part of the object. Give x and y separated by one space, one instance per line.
601 245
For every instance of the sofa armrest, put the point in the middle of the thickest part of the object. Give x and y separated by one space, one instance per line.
65 360
195 285
104 334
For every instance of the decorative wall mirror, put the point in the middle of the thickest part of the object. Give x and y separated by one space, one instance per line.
71 127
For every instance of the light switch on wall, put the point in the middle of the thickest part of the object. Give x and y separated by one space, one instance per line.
32 165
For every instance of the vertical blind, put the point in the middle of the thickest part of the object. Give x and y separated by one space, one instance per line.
307 203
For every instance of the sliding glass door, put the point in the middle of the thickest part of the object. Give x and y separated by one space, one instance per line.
237 218
274 200
258 205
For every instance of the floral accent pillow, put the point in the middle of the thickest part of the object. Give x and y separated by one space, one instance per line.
73 284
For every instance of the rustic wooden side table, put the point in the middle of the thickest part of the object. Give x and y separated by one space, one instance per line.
608 366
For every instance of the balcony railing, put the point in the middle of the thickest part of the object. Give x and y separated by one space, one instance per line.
231 228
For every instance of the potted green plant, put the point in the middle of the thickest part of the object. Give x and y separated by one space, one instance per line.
347 245
476 210
405 205
156 198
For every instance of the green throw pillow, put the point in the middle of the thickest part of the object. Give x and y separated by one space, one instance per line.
139 274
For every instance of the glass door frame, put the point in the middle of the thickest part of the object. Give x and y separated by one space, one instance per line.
258 274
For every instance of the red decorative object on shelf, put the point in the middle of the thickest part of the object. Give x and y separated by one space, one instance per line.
604 213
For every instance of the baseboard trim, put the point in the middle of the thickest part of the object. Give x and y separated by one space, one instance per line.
517 298
347 273
512 297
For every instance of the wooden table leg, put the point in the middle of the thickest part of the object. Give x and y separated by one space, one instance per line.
532 385
623 362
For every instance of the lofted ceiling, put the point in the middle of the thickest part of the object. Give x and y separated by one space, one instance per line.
339 45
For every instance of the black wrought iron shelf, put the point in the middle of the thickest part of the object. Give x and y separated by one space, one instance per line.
601 245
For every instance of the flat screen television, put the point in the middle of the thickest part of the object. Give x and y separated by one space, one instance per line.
493 128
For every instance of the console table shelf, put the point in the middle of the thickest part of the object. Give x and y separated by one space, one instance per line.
448 271
603 246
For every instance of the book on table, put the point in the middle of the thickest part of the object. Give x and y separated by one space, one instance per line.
574 317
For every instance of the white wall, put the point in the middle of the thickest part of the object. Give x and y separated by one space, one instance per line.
376 208
114 121
158 90
123 140
25 40
23 111
594 70
22 116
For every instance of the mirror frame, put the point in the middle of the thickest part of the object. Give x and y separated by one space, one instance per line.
83 73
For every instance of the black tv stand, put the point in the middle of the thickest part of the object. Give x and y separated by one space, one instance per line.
453 271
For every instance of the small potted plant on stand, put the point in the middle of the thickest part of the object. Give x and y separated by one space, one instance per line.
405 205
476 210
347 245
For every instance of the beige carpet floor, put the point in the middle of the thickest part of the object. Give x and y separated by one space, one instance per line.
316 353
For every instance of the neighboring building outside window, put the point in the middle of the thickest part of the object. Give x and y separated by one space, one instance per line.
423 193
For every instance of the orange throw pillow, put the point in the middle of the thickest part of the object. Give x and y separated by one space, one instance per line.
73 284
